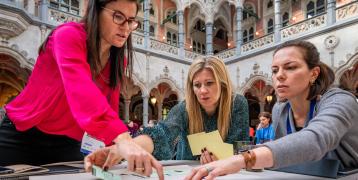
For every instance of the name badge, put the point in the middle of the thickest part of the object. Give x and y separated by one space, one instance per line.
90 144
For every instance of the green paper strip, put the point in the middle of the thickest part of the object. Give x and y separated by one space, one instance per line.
106 175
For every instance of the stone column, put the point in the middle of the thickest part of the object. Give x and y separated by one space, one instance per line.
209 38
146 24
44 10
180 15
127 102
31 7
160 108
145 110
331 12
262 106
238 30
278 21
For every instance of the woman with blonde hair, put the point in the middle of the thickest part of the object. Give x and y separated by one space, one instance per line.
210 104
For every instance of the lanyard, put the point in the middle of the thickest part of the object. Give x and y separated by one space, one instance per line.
310 115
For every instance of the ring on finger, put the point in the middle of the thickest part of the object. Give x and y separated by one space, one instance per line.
139 169
208 169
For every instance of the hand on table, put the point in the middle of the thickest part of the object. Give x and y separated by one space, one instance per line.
230 165
139 160
207 156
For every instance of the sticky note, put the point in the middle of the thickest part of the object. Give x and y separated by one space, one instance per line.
100 173
196 142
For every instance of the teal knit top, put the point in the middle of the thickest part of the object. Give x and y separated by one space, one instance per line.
170 135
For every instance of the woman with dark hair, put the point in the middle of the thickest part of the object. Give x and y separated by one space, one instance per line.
74 88
312 120
264 132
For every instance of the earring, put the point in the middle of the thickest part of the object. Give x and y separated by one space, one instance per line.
312 82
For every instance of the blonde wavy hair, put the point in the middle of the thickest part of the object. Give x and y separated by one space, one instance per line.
220 72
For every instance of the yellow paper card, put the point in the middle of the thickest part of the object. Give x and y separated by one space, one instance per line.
196 142
214 136
221 150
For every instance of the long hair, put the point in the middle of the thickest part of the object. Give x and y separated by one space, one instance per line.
218 68
312 59
117 55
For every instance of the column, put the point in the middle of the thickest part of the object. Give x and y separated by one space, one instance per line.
146 24
209 38
31 7
127 102
145 110
278 23
160 108
331 12
262 106
180 15
44 10
238 30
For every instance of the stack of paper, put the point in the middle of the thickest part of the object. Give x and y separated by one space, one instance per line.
212 142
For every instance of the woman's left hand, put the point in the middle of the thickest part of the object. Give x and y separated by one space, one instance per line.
207 156
217 168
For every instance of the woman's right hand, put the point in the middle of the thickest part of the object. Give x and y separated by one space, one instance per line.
139 160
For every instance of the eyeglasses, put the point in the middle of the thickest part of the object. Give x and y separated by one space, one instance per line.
119 18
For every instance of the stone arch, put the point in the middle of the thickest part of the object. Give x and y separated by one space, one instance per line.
140 83
19 55
168 80
352 60
250 82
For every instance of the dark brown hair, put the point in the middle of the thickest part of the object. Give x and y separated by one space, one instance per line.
117 55
311 56
266 115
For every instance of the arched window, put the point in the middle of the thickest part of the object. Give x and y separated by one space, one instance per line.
174 39
269 4
70 6
246 11
251 34
269 26
314 8
203 49
320 7
199 47
151 30
169 38
244 36
174 18
310 9
194 46
285 19
151 10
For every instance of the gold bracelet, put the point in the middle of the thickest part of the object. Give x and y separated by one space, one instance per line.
249 159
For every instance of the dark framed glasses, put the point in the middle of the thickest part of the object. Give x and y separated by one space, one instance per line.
119 18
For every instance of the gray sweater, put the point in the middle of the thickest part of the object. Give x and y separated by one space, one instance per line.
331 133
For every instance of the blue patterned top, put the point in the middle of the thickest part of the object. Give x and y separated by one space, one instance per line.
175 129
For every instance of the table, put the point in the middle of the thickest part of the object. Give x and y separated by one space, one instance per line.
186 166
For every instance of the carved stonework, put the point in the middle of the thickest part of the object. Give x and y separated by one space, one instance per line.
331 42
226 54
256 68
159 46
166 71
257 43
347 11
191 55
10 28
59 17
137 39
304 26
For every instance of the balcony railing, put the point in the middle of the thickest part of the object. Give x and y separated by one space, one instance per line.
191 55
226 53
58 17
137 39
163 47
257 43
304 26
347 11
